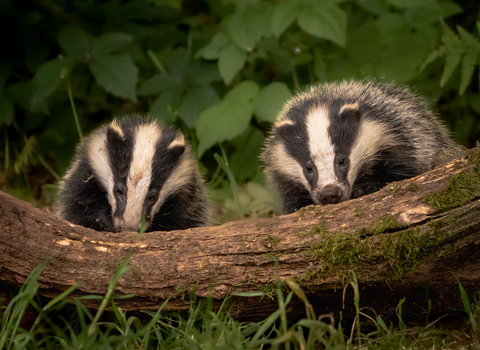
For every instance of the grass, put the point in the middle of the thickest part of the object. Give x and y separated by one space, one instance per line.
201 327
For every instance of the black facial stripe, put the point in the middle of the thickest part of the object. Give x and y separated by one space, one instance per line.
164 162
343 130
120 153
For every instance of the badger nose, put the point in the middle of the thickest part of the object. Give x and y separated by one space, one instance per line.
330 195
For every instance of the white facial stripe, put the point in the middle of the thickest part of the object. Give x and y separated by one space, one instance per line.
283 163
179 141
321 148
97 153
180 176
349 106
138 181
370 140
114 126
283 122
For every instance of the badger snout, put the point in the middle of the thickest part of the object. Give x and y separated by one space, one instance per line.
122 226
330 194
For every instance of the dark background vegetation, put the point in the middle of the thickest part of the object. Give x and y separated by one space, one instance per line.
220 70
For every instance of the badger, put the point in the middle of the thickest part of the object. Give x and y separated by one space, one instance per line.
129 169
342 140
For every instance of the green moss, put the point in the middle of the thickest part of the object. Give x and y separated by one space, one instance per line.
332 213
383 224
413 187
256 272
404 250
271 241
319 229
462 188
358 211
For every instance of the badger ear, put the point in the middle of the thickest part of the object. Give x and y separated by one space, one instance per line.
177 146
350 111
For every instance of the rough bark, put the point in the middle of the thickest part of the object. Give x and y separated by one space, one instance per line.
417 244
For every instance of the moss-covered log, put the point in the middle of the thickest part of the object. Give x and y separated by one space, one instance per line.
398 240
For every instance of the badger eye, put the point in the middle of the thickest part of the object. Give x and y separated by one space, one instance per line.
152 198
342 161
308 168
119 191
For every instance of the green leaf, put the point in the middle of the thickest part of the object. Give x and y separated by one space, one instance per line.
325 20
75 42
47 79
165 107
245 91
116 73
230 62
248 146
451 62
283 15
6 111
449 8
247 27
378 7
212 50
228 118
270 101
155 85
469 61
178 62
109 42
414 3
195 101
200 73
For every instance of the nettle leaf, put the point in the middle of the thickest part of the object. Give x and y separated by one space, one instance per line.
109 42
230 62
325 20
283 15
155 85
212 50
75 42
165 107
270 101
197 99
247 27
47 79
6 111
414 3
116 73
227 119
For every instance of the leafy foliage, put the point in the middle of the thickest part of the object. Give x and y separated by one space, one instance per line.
464 48
220 70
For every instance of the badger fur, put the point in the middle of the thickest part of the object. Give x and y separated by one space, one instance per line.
338 141
130 168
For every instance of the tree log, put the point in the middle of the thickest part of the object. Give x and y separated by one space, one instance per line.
395 242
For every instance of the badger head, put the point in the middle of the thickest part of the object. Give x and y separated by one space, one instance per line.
138 165
319 149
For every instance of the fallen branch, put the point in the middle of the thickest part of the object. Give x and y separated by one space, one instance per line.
393 241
